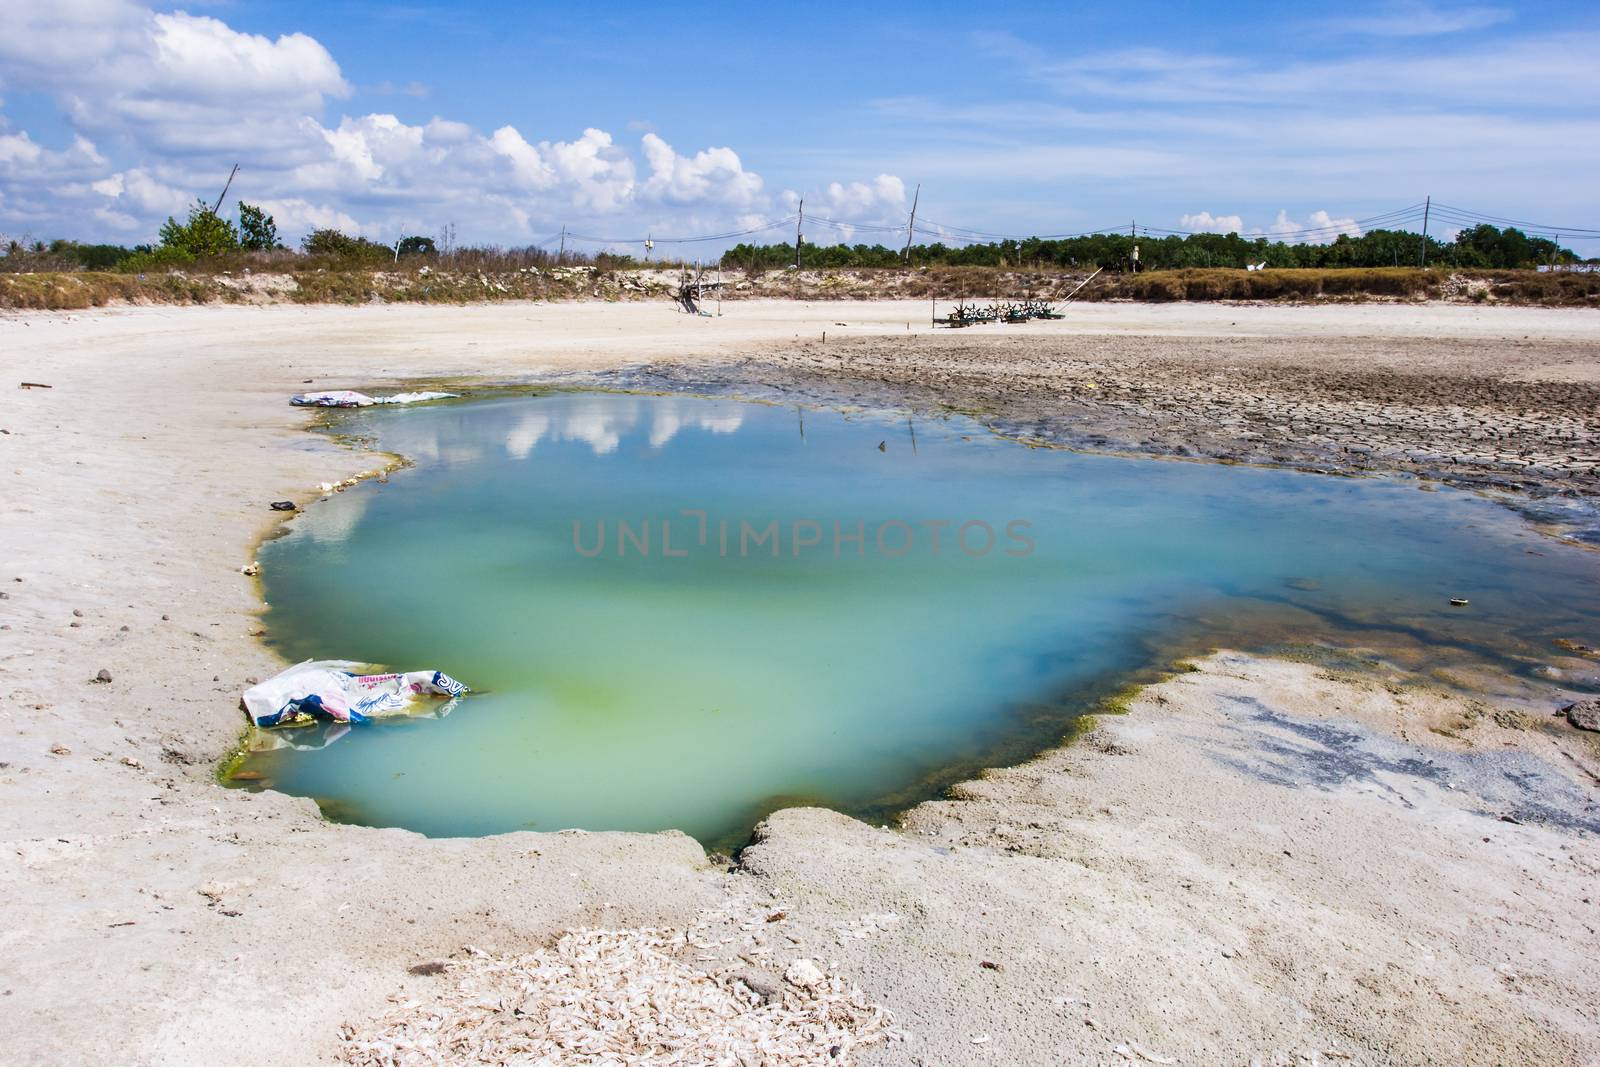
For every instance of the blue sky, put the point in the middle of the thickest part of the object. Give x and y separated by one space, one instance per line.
513 119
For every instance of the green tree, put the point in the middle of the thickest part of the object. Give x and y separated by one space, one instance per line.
205 233
417 246
347 252
257 230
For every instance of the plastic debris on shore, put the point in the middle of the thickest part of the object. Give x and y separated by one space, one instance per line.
619 997
349 398
326 691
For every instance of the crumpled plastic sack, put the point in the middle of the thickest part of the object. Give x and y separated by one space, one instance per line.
325 691
349 398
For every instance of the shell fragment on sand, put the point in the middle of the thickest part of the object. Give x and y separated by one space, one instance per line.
619 996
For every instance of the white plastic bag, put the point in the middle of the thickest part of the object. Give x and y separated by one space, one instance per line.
326 691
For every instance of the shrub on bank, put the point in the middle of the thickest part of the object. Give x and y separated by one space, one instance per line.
1203 284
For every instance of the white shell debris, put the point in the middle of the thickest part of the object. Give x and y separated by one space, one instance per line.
619 997
805 974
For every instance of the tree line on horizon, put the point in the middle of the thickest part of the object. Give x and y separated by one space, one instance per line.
206 238
1482 246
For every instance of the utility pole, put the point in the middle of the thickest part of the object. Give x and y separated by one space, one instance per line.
1427 207
225 188
561 256
911 227
799 233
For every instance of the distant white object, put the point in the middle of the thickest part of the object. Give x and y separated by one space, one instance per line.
1256 266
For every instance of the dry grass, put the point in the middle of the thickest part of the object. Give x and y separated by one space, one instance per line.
1381 283
86 289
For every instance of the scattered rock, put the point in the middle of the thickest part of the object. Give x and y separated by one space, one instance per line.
989 965
60 750
251 569
426 970
283 505
129 761
1585 714
76 613
102 676
804 973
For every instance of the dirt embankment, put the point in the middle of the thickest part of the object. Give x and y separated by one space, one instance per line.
415 284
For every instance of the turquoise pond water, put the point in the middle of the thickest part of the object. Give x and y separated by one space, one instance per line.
697 691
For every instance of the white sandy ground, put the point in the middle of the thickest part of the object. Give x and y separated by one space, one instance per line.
1214 878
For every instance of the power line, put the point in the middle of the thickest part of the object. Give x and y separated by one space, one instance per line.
681 240
1544 227
920 226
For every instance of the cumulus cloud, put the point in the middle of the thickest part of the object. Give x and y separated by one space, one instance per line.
883 195
1206 222
879 202
714 173
1319 228
35 180
183 97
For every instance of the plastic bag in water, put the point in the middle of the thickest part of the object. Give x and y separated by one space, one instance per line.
325 691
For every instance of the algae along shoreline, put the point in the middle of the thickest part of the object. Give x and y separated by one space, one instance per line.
701 691
1283 857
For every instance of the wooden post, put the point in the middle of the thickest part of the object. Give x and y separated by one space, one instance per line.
225 188
1426 208
911 227
799 233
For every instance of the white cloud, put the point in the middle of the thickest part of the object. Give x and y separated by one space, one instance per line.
1206 222
1319 228
178 82
183 97
117 220
18 149
872 204
1419 20
297 215
713 173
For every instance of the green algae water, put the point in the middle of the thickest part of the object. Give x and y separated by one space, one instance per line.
683 613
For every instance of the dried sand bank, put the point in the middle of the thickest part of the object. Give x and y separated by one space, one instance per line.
1255 863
